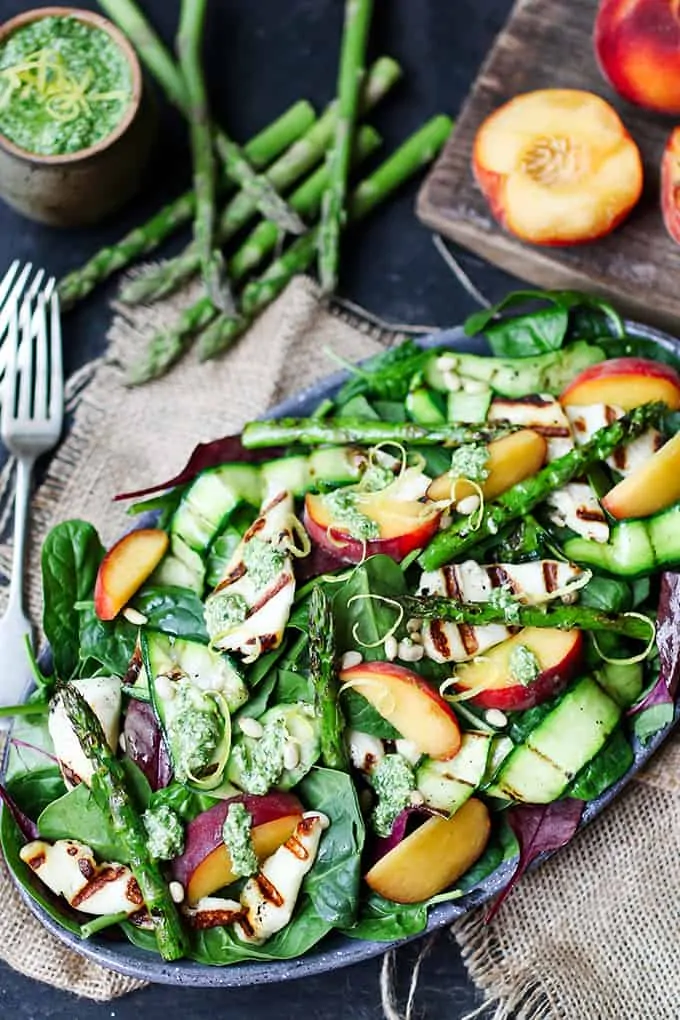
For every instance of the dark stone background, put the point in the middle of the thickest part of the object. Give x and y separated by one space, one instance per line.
262 56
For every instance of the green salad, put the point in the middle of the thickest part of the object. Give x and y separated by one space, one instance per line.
361 659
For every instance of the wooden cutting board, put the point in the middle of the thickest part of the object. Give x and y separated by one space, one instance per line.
547 44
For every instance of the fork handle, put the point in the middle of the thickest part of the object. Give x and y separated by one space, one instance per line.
21 504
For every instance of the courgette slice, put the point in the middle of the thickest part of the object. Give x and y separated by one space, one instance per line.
207 669
210 499
446 785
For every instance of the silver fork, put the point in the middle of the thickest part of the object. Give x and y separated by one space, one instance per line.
30 425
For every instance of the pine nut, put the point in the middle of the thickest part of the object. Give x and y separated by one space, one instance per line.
416 798
408 652
416 637
445 522
414 624
134 617
251 727
122 743
496 718
350 659
391 648
451 381
176 892
468 505
291 755
165 689
491 526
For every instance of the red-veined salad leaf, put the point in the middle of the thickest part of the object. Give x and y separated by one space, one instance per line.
539 828
668 643
28 828
144 744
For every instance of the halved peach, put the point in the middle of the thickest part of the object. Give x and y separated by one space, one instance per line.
414 708
637 44
626 383
558 653
432 857
654 486
670 185
125 568
557 166
511 459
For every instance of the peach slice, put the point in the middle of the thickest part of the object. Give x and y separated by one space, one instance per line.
670 185
637 45
558 653
511 459
414 708
626 383
125 568
654 486
557 166
432 857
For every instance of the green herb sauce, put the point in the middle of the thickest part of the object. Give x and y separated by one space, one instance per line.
194 732
257 764
236 832
165 833
263 560
524 665
64 86
345 511
223 612
393 781
470 461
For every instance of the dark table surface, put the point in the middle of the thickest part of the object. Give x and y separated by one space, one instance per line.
261 57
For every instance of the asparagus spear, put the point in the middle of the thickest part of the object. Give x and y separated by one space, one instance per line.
324 677
153 52
364 431
350 76
158 281
261 150
168 346
191 27
523 497
110 790
519 615
416 151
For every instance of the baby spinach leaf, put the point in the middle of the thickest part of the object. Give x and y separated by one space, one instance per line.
527 335
364 622
292 687
108 643
186 803
382 920
608 765
360 715
333 883
173 610
386 376
71 555
608 594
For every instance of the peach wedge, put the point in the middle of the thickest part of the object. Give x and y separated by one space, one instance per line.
670 185
557 166
653 487
125 568
625 383
511 459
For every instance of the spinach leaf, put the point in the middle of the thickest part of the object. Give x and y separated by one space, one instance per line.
333 883
608 765
258 702
108 643
360 715
386 376
382 920
372 618
608 594
501 847
186 803
359 407
527 335
173 610
391 410
71 555
165 505
292 687
637 347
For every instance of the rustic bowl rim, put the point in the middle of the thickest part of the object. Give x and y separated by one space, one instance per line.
95 20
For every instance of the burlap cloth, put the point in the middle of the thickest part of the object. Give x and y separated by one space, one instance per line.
589 935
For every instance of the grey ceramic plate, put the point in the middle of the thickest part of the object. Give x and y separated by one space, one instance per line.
334 951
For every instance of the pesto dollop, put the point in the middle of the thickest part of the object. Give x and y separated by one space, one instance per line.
194 731
165 833
344 508
503 598
393 780
470 461
224 611
263 561
524 665
236 833
257 764
64 85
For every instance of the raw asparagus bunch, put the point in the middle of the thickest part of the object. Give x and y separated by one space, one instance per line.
190 35
523 497
362 431
223 330
153 52
350 76
260 150
110 790
436 607
158 281
324 677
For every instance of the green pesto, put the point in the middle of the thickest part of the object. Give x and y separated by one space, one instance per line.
257 764
393 780
470 461
524 665
236 832
165 832
344 508
504 599
263 560
194 732
64 86
223 612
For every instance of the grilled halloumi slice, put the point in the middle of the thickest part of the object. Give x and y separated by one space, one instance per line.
103 695
268 898
577 507
267 606
212 912
474 582
540 412
587 419
70 870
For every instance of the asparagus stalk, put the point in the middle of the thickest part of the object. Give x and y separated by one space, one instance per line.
155 55
350 76
261 150
191 27
523 497
110 790
519 615
323 675
168 346
416 152
362 431
158 281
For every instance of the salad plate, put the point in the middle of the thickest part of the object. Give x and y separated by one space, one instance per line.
336 950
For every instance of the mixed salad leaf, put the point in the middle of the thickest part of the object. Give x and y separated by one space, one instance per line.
376 653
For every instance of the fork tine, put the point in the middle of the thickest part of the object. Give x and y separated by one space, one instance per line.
56 406
9 385
40 405
7 280
13 298
25 358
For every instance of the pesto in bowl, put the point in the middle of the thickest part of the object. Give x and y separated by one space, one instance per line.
65 85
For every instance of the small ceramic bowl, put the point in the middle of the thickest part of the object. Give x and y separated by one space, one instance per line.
80 188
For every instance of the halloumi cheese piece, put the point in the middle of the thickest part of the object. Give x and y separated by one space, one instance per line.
70 870
103 695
